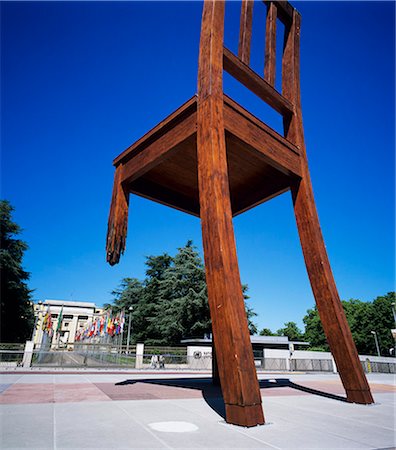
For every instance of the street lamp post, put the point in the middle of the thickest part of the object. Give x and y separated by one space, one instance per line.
129 329
376 342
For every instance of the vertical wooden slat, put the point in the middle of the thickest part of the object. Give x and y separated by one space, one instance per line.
245 31
270 44
330 309
234 353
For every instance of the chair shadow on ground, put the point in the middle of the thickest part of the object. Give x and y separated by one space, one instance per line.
212 393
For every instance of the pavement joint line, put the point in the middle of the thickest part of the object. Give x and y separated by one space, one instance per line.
307 424
224 423
54 425
241 431
344 418
373 423
16 381
143 426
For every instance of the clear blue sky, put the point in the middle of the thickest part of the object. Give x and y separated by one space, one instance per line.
82 81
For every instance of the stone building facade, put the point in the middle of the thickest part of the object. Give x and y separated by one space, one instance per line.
74 315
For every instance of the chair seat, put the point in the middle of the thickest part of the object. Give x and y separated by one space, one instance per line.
162 165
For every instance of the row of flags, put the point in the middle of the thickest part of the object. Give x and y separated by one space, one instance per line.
106 325
47 324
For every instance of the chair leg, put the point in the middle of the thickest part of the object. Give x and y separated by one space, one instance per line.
231 337
335 325
215 368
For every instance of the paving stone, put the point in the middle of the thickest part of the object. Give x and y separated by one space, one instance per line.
179 411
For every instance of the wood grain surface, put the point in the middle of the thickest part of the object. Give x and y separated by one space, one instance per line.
214 159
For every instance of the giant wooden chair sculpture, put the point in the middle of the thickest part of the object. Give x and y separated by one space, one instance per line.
213 159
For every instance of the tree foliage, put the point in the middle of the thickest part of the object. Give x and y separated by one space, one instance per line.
292 331
314 333
17 316
171 302
266 332
363 318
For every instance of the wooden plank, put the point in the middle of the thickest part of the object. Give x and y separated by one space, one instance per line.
262 195
284 9
245 31
330 309
261 143
229 324
162 194
186 109
270 45
249 116
245 75
158 150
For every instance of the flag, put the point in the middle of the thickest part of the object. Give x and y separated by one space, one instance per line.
122 321
47 322
59 324
108 322
48 326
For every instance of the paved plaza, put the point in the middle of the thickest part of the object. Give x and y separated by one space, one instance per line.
117 410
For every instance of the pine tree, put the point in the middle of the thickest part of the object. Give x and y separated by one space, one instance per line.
127 295
250 313
172 302
183 308
17 316
147 310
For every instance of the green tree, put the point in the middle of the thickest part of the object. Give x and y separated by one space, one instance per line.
314 333
172 302
267 332
292 331
359 316
17 315
363 318
145 315
126 295
250 313
383 322
183 309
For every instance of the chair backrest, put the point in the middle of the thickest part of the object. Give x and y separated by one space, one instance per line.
215 57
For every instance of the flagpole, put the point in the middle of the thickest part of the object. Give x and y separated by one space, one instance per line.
129 328
59 325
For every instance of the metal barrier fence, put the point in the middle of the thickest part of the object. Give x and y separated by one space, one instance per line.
311 365
91 357
96 359
378 367
268 364
11 358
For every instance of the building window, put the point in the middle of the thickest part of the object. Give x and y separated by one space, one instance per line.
68 317
82 317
